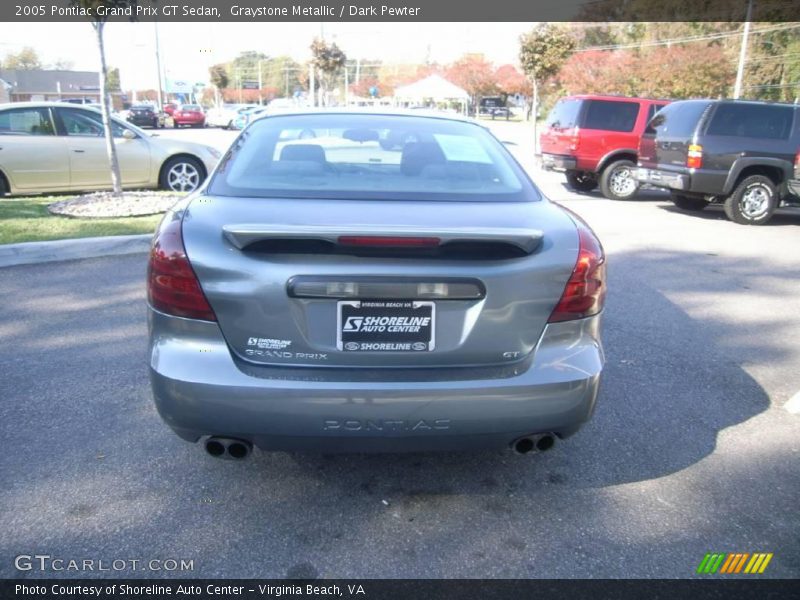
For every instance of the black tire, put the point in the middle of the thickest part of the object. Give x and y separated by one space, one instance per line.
617 181
173 182
689 203
582 181
175 125
753 202
3 186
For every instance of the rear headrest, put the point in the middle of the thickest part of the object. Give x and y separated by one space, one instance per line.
417 155
306 152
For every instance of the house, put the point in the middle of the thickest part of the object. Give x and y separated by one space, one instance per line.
42 85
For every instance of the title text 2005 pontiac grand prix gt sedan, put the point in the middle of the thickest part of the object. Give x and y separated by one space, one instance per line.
324 293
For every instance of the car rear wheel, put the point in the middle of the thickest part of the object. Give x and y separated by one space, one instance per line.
3 186
182 174
753 202
617 181
689 203
581 181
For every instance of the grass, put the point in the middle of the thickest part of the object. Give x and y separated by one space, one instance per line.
27 220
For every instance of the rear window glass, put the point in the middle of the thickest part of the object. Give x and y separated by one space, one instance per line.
678 119
611 116
564 114
372 157
752 120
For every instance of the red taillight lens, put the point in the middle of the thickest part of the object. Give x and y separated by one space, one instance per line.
391 241
585 292
172 286
575 139
797 165
694 158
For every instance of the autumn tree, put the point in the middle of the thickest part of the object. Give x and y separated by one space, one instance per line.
25 60
475 75
328 60
510 81
543 51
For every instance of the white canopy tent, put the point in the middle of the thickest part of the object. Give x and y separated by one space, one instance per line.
433 88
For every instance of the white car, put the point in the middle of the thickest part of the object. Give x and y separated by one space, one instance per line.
54 147
223 116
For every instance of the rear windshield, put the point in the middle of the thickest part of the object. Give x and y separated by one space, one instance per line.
752 120
375 157
678 119
564 114
611 115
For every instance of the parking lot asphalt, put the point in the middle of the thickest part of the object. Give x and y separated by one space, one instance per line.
692 449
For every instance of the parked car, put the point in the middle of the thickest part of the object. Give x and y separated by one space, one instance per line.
170 108
595 141
189 114
345 297
54 147
245 116
225 115
146 115
740 154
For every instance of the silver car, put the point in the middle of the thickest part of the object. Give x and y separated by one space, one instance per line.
55 147
324 293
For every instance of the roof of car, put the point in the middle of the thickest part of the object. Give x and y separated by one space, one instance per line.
613 97
374 111
43 104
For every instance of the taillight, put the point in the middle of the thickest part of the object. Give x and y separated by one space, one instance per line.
797 165
585 292
575 139
694 158
172 286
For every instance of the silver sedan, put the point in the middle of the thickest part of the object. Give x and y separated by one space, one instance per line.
55 147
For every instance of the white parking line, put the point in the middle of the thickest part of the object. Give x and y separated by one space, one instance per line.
793 405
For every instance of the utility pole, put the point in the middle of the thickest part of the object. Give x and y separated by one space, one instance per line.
312 85
358 70
737 89
158 66
260 99
346 87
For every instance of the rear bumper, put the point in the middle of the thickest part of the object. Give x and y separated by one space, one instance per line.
558 162
199 390
662 178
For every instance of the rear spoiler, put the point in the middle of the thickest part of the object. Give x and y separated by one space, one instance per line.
241 236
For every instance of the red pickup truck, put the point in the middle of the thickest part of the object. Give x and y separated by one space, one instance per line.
595 140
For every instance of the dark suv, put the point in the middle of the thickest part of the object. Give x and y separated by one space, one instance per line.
595 140
742 154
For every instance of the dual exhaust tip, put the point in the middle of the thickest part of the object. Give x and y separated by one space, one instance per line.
534 443
228 448
234 449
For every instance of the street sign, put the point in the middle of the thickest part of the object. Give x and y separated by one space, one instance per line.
249 85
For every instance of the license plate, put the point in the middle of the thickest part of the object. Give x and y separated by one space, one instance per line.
385 326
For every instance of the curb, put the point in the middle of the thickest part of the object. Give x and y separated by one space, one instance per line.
40 252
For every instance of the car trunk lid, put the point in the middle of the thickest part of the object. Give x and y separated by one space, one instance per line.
297 282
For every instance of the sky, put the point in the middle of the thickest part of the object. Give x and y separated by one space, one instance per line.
188 49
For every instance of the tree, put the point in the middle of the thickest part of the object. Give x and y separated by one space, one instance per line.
328 59
475 74
112 80
25 60
98 23
62 64
542 52
220 80
510 81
